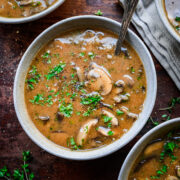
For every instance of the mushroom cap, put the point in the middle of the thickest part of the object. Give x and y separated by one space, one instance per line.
101 79
85 128
153 149
128 80
114 120
171 178
104 131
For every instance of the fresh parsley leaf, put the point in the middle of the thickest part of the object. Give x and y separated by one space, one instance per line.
106 119
99 13
177 19
66 109
110 133
55 71
118 112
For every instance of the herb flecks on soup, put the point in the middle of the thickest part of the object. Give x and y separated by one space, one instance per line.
159 160
23 8
80 95
172 8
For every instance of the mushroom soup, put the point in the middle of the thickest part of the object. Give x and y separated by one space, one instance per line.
79 94
23 8
159 160
172 9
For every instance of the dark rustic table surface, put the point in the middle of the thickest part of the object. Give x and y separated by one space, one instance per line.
14 40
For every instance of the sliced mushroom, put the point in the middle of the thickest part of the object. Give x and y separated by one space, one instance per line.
104 131
178 171
80 74
119 86
119 98
44 118
60 116
129 114
114 120
39 8
171 178
58 131
128 80
153 149
106 105
25 2
99 79
132 116
85 128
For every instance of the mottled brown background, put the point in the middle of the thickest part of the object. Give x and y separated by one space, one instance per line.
14 39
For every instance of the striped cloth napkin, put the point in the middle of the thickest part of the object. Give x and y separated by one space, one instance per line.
164 47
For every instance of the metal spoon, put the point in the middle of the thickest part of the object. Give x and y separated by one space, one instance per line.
128 12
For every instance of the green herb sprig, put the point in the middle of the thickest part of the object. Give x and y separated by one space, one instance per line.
22 173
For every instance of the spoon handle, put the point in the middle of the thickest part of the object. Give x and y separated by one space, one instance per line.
128 12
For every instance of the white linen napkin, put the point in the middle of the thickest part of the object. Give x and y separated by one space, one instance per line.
164 47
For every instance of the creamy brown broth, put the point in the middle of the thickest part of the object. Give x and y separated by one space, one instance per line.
172 8
23 8
159 160
76 107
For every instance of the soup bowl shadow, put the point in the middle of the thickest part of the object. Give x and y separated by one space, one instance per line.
143 142
70 24
34 17
164 19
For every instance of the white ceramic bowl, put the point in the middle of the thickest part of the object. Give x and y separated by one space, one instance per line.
33 17
142 143
162 14
44 38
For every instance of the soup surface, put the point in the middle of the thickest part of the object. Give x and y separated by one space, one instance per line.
159 160
81 96
172 8
23 8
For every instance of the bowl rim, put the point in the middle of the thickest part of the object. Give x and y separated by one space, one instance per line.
140 142
77 155
164 19
34 17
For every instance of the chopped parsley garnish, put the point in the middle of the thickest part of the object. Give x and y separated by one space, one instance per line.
160 172
38 99
71 142
132 70
110 133
118 112
98 13
41 100
66 109
164 115
34 77
177 27
82 54
55 71
168 150
91 55
106 119
91 99
177 19
46 55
